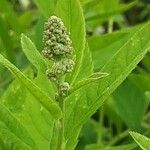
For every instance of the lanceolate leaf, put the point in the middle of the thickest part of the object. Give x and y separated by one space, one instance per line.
123 62
71 13
141 140
49 104
84 104
32 53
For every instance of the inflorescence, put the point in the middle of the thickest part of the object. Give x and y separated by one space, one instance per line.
58 48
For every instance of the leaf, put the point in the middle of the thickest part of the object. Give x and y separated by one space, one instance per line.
93 78
15 127
122 147
105 46
32 53
38 36
141 140
142 81
26 19
87 65
1 144
46 7
49 104
7 9
30 113
71 13
104 11
38 61
6 39
130 101
82 104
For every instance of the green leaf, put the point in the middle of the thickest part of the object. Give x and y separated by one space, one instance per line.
93 78
122 147
105 46
26 19
38 36
87 65
130 101
46 7
82 104
32 53
104 10
7 9
141 140
71 13
15 127
6 39
148 95
49 104
2 146
142 81
30 113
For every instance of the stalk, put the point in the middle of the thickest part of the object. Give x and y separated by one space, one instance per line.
58 48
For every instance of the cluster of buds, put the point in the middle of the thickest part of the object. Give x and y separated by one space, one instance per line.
58 48
57 43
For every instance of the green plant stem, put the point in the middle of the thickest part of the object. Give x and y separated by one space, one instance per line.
119 137
147 116
101 120
110 25
61 140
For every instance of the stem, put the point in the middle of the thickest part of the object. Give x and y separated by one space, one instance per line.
61 140
101 119
119 137
110 25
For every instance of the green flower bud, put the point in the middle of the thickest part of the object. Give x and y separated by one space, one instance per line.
64 88
57 43
62 67
50 75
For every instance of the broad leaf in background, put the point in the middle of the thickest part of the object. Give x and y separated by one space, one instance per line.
7 9
105 46
141 140
81 105
104 10
42 97
71 13
142 81
112 114
6 39
130 101
38 36
46 7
